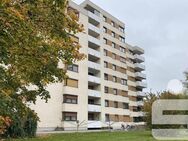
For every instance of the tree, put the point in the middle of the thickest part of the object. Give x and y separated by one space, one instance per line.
35 36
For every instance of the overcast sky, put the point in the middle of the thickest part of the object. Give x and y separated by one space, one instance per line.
161 28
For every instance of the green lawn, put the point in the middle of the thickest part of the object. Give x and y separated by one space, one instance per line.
96 136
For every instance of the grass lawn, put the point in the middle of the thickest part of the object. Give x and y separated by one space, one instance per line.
96 136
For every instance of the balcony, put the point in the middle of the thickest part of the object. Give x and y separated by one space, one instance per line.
94 41
140 75
141 94
94 53
94 30
139 67
94 93
94 17
141 84
137 114
139 58
94 66
138 50
94 108
140 103
94 124
94 79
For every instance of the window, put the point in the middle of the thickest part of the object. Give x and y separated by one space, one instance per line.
115 91
104 29
123 82
113 45
71 82
104 19
69 116
113 34
73 68
96 12
104 40
106 89
125 106
112 23
122 59
106 103
121 29
105 76
122 49
116 118
114 67
105 64
122 39
105 52
115 104
113 55
114 79
107 117
70 99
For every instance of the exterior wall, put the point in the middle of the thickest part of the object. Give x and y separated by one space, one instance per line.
90 107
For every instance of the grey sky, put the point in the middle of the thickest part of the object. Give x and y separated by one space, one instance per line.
161 28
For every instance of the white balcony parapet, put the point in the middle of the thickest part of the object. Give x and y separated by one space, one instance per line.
94 124
142 94
141 84
94 79
137 114
140 75
139 58
94 40
94 108
94 93
94 28
94 16
93 65
139 66
140 103
94 53
137 50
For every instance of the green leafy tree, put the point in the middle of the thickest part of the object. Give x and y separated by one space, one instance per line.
35 36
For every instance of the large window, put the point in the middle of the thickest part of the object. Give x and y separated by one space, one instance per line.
105 52
106 89
107 117
122 49
123 81
115 104
105 64
113 34
70 99
106 103
125 106
69 116
104 18
113 55
104 29
113 45
121 29
73 68
71 82
112 23
122 39
114 67
115 91
114 79
104 40
122 59
105 76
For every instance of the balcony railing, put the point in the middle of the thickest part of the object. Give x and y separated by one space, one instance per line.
94 40
138 50
94 28
141 84
94 93
94 124
139 66
94 16
140 75
94 66
139 58
142 94
94 108
94 52
94 79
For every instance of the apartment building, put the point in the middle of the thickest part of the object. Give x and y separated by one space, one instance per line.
106 87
